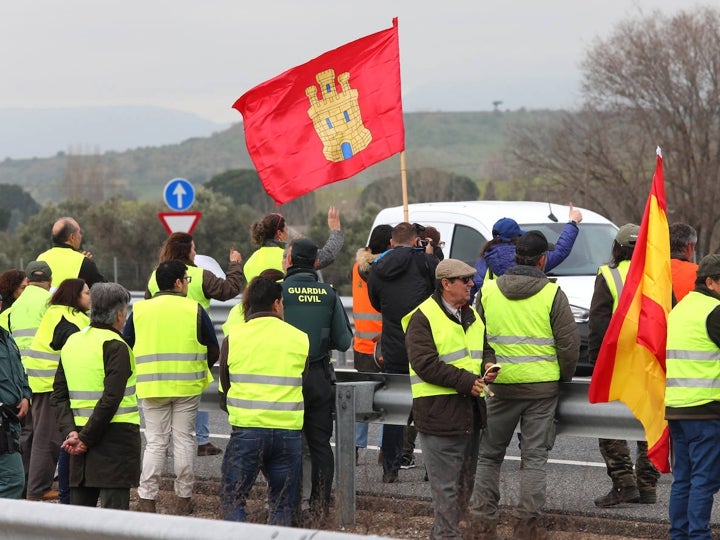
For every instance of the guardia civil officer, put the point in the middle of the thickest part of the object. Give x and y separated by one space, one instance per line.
315 308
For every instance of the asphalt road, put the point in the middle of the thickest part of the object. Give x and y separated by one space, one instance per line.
576 476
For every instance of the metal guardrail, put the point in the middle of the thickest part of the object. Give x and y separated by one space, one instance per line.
20 520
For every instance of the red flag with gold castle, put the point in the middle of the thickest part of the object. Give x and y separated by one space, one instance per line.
327 119
631 363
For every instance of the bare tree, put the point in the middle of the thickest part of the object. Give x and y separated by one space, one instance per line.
654 82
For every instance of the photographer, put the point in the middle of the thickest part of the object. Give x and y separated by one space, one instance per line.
14 404
399 280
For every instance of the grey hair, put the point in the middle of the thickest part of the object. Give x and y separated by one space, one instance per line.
106 299
681 235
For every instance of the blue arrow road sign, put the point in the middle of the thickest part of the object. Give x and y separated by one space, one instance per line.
179 194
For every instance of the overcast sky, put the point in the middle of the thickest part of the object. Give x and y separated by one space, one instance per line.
200 55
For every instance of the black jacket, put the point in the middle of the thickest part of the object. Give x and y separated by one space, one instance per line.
399 281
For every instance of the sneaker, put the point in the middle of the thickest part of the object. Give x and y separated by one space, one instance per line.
208 449
618 496
184 506
648 496
407 461
146 505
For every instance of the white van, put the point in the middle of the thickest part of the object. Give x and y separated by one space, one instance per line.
466 226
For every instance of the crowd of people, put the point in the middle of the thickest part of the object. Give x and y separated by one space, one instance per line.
484 346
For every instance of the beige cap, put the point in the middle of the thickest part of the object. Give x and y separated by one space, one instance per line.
453 268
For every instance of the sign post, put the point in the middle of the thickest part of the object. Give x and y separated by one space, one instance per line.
179 195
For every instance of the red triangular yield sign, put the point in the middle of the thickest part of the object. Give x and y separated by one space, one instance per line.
179 221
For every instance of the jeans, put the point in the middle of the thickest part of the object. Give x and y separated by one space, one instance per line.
696 477
163 416
202 427
63 469
275 452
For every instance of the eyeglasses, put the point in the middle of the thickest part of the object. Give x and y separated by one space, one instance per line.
440 245
187 278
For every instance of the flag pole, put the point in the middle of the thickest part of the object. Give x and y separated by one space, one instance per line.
403 178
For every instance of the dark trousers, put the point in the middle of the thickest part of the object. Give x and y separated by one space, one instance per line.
117 498
319 398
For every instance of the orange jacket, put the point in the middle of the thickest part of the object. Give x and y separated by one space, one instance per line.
684 274
368 322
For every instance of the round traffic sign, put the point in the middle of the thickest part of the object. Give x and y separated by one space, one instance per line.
179 194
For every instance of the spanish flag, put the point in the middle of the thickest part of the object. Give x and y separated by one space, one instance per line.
631 363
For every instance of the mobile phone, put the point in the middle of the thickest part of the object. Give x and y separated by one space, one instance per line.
493 369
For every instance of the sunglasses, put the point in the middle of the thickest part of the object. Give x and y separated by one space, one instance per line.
465 280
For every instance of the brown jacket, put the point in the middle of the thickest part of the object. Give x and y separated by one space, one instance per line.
451 414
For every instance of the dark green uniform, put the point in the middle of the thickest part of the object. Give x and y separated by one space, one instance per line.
13 388
316 309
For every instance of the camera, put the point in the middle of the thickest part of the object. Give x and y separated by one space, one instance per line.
422 242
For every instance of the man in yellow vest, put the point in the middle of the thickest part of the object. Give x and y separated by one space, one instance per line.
532 329
96 405
23 322
262 366
629 484
692 403
447 349
175 345
65 257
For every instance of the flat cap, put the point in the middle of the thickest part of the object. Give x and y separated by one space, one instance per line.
453 268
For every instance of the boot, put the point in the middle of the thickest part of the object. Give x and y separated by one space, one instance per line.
648 496
146 505
184 506
629 494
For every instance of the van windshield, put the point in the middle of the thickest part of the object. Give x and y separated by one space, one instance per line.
591 249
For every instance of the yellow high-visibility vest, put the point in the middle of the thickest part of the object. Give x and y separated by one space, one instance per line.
462 349
520 333
262 259
25 315
692 358
82 359
41 360
170 360
65 263
266 360
615 279
195 290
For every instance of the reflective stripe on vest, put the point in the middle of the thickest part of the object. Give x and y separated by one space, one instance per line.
65 263
25 316
462 349
266 359
262 259
170 360
195 287
692 358
615 279
40 360
84 367
368 322
520 333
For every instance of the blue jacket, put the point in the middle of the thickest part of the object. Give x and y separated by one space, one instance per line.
501 257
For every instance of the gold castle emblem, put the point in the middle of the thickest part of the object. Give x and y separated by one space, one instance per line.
336 117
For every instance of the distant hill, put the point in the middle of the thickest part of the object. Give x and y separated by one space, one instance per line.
28 133
465 143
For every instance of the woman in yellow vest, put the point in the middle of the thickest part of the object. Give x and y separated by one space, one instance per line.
271 234
65 316
629 484
204 286
96 404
